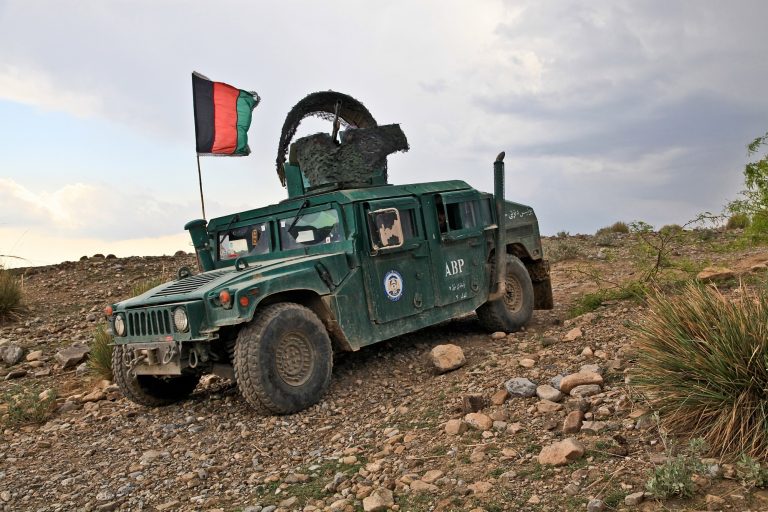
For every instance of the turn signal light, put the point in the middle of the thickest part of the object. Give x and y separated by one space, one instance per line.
224 297
244 301
108 311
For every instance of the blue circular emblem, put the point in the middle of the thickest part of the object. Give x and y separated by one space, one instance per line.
393 285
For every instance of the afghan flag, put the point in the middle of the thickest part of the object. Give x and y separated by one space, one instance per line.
222 117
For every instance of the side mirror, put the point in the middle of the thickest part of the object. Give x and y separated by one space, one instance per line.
386 231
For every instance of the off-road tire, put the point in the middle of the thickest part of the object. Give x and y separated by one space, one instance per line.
514 310
283 359
150 390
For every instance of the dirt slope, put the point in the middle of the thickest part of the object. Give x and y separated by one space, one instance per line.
381 426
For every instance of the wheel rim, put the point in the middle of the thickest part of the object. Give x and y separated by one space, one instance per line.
294 359
513 298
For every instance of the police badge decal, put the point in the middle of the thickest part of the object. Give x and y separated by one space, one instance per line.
393 285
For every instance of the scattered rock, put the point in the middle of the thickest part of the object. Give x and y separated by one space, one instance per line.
432 476
447 357
561 453
479 421
72 356
714 502
572 423
11 354
634 499
715 274
520 387
422 486
498 335
547 392
472 403
379 500
592 427
579 379
35 355
527 362
573 334
499 397
481 487
585 390
16 374
455 427
595 505
545 406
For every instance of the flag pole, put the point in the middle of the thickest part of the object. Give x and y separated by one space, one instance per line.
200 181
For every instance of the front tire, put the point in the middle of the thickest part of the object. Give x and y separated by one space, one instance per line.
283 359
514 310
150 390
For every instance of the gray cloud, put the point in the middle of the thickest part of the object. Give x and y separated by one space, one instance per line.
607 109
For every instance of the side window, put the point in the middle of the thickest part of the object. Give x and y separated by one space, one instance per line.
244 241
485 211
464 215
311 229
408 223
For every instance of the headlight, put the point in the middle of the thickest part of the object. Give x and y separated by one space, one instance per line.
119 325
180 319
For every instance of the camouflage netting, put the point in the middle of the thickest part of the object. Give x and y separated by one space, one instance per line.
362 158
361 155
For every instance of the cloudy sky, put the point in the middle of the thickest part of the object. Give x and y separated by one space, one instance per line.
608 110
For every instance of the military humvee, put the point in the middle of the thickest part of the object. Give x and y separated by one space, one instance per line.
334 267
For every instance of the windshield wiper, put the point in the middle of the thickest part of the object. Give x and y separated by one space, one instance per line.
226 230
298 215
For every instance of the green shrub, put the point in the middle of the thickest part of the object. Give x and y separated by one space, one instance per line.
674 477
751 473
591 301
563 250
100 358
563 234
616 227
27 405
11 294
147 284
671 228
606 239
703 364
738 221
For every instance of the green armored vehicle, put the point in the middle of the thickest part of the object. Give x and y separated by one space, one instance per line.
347 260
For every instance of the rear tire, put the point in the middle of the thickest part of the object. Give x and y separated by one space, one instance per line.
514 310
151 390
283 359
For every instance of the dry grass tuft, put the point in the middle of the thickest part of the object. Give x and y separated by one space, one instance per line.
144 286
11 295
100 357
703 364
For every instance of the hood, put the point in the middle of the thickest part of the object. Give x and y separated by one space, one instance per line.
196 287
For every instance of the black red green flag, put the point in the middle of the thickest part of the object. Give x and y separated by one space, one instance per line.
222 117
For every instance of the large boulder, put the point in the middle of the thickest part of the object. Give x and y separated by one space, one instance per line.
72 356
579 379
715 274
520 387
379 500
562 453
11 354
447 357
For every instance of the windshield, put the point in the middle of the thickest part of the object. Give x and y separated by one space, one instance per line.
311 229
245 241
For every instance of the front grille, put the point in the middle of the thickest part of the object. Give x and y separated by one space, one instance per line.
189 284
149 322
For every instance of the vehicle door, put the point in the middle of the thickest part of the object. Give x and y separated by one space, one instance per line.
396 268
458 249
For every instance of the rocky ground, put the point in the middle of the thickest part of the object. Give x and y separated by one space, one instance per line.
538 420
